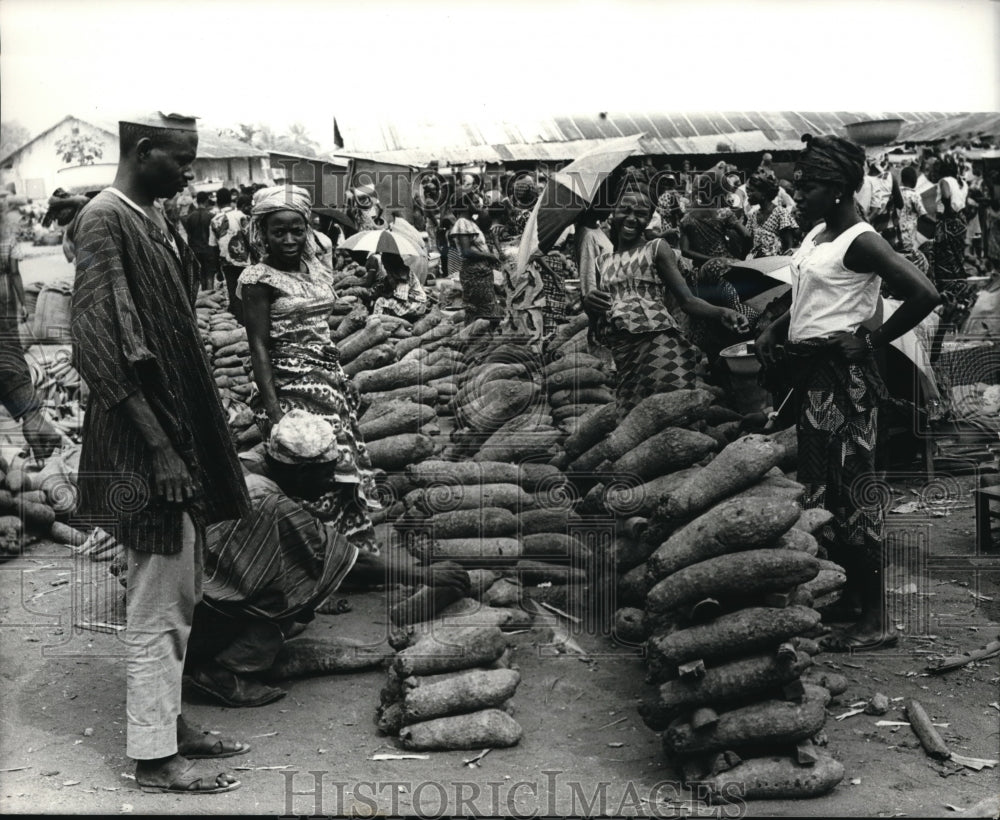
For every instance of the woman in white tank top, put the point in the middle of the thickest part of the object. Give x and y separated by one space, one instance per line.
949 237
826 354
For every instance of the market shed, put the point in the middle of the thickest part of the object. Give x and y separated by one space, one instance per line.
38 167
564 138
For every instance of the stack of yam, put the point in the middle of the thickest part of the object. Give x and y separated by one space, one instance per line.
229 354
721 575
516 519
450 686
576 381
38 502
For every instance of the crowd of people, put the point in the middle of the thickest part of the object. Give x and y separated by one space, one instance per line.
236 558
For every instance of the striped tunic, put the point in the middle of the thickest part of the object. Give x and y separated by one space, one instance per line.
134 329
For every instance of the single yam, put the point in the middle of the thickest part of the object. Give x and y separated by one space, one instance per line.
630 625
739 466
371 359
775 778
813 520
650 416
327 656
740 575
734 525
406 418
762 723
423 605
486 522
747 631
476 549
645 498
451 648
459 693
503 592
396 452
433 471
547 520
732 682
634 586
551 545
539 572
593 426
665 452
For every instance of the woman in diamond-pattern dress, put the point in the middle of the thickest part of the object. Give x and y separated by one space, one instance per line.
630 313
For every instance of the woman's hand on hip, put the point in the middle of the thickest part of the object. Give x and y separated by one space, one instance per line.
854 348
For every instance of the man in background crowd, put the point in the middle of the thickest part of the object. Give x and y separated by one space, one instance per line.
198 224
227 237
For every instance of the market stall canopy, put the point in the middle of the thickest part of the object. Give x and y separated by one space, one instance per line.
981 124
568 193
561 138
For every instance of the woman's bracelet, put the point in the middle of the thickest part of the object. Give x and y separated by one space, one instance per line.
869 343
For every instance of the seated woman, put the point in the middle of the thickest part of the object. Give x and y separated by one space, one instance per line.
398 291
296 366
772 226
629 308
707 230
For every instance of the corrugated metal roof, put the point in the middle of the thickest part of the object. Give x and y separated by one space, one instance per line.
959 125
566 136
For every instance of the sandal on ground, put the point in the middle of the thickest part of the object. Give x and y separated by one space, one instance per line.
211 748
849 642
189 782
234 690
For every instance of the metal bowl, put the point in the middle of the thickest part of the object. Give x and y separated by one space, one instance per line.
741 359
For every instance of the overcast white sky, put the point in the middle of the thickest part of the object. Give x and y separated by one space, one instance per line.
308 60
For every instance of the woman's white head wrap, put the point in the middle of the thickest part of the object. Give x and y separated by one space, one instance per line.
272 200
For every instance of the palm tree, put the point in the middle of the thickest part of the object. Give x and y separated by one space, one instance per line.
265 138
298 140
246 132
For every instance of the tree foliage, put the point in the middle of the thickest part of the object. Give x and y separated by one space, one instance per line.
12 136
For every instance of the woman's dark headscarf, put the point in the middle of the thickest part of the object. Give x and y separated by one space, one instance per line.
831 159
765 180
708 192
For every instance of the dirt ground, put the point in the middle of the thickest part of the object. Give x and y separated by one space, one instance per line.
584 750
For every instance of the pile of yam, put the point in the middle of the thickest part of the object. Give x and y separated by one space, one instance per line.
720 577
450 684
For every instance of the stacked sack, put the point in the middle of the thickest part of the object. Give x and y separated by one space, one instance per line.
726 574
229 354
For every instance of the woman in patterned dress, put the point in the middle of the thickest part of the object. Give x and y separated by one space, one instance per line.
772 226
949 239
536 300
287 297
629 307
706 230
476 272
